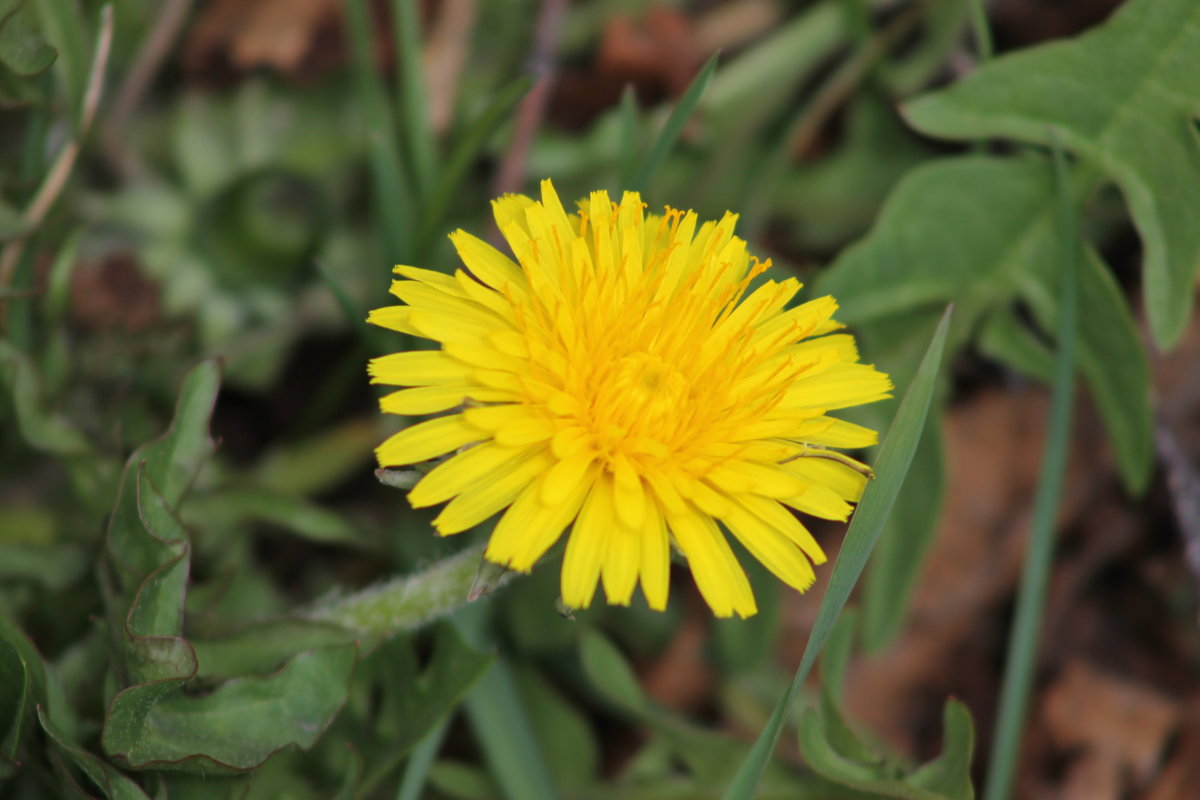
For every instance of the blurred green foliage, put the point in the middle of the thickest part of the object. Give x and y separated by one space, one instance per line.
184 617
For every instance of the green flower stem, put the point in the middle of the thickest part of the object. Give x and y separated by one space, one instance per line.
1031 596
412 601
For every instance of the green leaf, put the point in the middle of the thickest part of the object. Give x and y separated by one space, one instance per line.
235 727
63 22
562 730
824 745
408 602
415 698
40 426
895 455
609 671
710 756
318 463
263 647
22 49
981 232
1008 339
14 689
228 506
111 782
55 566
1123 97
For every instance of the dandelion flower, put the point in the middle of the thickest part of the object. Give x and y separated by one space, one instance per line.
620 376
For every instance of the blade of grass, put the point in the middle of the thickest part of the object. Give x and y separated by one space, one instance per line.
674 126
417 135
464 153
500 720
393 204
895 455
981 30
629 134
56 179
1031 595
416 772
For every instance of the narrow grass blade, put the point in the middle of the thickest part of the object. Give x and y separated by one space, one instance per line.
1031 595
416 772
506 737
981 31
629 134
392 202
500 720
670 133
465 151
419 148
895 455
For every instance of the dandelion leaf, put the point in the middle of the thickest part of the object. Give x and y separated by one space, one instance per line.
1123 98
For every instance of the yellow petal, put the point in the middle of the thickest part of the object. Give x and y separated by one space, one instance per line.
488 264
776 552
564 476
424 399
629 496
418 368
394 318
656 558
779 518
769 480
483 499
530 527
841 478
426 440
719 576
820 501
482 463
586 545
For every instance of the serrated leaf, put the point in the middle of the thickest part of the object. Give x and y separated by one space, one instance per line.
823 743
238 725
1123 97
982 232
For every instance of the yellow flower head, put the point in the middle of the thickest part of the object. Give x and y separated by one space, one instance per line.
621 377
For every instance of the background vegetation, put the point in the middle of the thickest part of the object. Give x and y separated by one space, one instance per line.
206 592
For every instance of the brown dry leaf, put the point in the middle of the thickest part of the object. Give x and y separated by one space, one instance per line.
730 25
656 53
993 449
1181 775
1121 727
446 49
280 34
682 678
113 294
